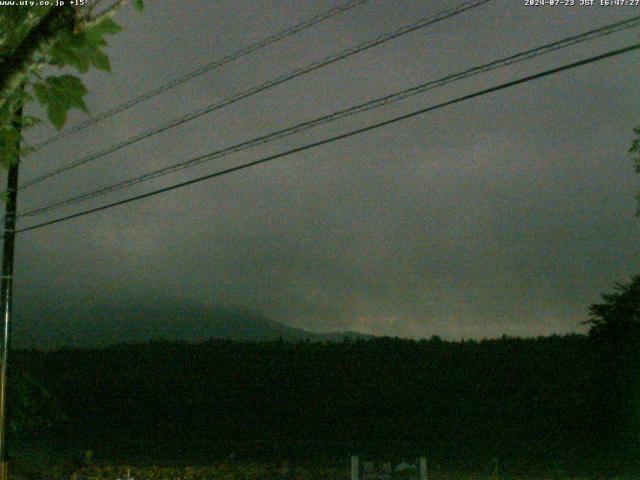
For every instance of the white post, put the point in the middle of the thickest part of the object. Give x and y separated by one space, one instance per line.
355 468
423 468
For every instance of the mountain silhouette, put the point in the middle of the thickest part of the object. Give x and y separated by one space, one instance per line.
90 326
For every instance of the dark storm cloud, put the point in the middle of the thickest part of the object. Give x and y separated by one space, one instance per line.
505 214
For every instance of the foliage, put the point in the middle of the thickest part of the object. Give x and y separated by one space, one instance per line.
615 335
617 318
635 149
33 40
32 406
528 402
214 472
42 463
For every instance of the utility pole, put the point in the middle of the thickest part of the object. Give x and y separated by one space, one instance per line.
6 291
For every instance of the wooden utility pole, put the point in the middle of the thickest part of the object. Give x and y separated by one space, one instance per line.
6 292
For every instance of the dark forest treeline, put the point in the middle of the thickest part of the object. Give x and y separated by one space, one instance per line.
532 403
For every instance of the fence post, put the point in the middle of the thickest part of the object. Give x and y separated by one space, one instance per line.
423 468
355 468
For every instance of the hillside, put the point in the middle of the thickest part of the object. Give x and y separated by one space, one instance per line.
91 327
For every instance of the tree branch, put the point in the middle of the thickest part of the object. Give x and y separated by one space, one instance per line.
108 12
16 65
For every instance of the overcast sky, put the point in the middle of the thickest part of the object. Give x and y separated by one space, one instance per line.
508 213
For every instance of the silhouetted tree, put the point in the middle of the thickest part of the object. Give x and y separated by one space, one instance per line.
615 335
617 318
33 407
524 400
635 150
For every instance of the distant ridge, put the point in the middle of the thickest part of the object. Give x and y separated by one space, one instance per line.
110 325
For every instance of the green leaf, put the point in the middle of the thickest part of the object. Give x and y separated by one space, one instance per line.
56 94
105 27
57 113
70 82
60 94
6 112
64 55
100 60
138 5
78 102
42 93
67 86
22 96
95 38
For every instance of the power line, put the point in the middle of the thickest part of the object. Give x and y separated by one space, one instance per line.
204 69
265 86
341 136
376 103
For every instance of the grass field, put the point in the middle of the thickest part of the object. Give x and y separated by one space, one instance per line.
61 470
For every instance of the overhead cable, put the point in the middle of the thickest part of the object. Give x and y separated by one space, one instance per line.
335 138
261 87
370 105
219 62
